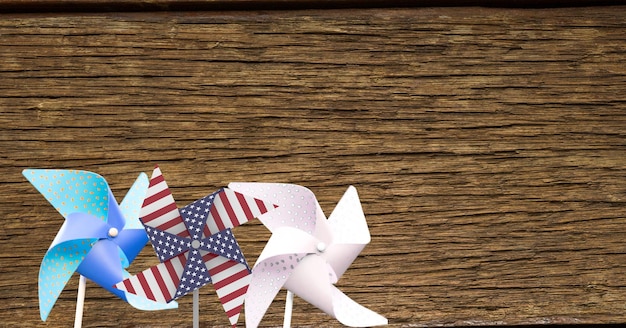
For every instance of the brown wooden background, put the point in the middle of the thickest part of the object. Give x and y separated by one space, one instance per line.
488 147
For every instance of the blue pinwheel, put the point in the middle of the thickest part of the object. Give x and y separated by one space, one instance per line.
98 239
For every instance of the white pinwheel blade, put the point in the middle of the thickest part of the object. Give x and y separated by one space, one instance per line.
286 241
347 221
349 230
351 313
279 258
297 206
312 281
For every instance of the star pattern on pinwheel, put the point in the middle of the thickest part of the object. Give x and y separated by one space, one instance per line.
195 245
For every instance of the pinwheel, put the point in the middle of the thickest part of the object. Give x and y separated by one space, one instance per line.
98 239
306 253
196 246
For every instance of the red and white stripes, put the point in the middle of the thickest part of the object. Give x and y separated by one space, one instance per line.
158 283
231 209
230 280
159 209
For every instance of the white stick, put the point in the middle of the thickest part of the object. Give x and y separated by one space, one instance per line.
80 302
288 309
196 308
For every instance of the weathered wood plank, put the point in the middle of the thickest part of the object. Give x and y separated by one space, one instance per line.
488 147
48 6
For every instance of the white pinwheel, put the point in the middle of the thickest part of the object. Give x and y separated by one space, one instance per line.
307 253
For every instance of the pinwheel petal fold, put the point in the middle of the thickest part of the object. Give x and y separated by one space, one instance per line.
352 314
349 230
131 204
159 211
115 217
296 203
341 256
102 266
274 268
57 267
71 191
230 280
312 280
299 242
81 226
142 303
229 209
158 283
131 242
347 221
259 298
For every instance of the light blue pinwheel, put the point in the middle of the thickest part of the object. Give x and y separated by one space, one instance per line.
98 239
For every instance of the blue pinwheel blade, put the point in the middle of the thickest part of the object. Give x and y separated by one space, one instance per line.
131 204
102 265
72 191
69 248
57 266
81 226
116 217
131 242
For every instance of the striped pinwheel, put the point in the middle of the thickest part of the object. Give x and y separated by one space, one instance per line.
307 253
196 246
98 239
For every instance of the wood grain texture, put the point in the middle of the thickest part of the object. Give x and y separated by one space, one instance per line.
48 6
488 147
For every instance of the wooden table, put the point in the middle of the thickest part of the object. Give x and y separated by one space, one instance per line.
488 146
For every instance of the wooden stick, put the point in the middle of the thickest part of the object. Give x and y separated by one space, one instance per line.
196 308
288 310
80 302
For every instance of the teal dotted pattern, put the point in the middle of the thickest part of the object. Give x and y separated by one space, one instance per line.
72 191
57 268
68 191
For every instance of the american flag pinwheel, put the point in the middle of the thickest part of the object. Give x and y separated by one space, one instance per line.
196 246
98 239
307 253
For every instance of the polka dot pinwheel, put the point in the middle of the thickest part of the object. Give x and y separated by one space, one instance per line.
307 253
98 239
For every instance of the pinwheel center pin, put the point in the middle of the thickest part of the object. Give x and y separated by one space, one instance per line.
113 232
321 247
195 244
